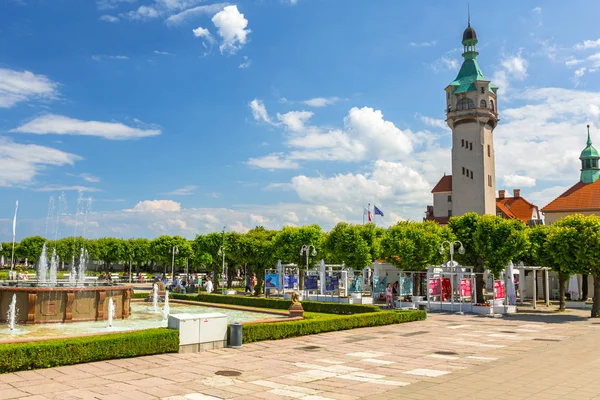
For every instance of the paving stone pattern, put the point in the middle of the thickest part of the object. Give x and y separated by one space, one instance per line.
523 356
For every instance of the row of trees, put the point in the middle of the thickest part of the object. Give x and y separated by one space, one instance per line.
570 246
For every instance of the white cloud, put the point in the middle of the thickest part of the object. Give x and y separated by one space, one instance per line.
518 181
588 44
162 53
202 32
423 44
231 26
63 188
86 177
246 63
273 161
143 13
184 191
61 125
446 62
512 67
21 163
156 206
100 57
434 123
259 111
190 13
295 120
321 101
365 134
387 182
17 86
109 18
537 10
110 4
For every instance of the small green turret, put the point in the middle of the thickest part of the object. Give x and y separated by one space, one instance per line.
590 172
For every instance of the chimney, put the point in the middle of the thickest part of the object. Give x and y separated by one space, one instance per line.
517 193
501 194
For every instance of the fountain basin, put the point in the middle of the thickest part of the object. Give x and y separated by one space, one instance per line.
38 304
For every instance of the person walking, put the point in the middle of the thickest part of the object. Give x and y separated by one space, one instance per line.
209 285
252 284
389 298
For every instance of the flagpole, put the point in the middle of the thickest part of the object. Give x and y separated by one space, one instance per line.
363 213
12 259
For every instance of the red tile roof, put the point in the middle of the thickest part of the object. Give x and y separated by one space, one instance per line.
444 185
517 207
580 196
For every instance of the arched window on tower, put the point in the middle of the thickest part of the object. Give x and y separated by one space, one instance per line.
465 104
492 105
482 104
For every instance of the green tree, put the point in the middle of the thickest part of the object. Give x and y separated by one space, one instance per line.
499 241
110 251
413 246
289 241
346 244
559 252
30 248
580 250
207 246
258 244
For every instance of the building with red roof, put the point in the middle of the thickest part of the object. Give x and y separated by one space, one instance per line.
584 196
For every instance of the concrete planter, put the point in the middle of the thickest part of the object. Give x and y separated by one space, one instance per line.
577 304
505 309
480 309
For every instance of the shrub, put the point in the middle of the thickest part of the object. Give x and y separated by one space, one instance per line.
279 304
56 352
281 330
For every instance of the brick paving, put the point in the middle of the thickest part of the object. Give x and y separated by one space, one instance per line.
527 355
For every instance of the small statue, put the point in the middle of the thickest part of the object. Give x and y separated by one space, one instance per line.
295 298
295 309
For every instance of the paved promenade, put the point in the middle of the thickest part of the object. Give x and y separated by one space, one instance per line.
524 356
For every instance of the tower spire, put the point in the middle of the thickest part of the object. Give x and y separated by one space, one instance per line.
469 14
589 141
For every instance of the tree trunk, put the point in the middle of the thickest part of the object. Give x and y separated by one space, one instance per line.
562 280
417 284
480 283
584 287
596 306
260 277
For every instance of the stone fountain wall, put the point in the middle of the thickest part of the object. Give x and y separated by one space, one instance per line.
38 305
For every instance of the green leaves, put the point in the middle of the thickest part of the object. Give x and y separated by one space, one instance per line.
499 241
354 245
413 246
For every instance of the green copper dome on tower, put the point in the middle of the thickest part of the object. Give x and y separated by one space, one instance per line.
469 71
590 172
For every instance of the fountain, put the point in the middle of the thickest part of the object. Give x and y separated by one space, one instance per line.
155 297
166 308
53 267
111 311
48 300
12 313
42 265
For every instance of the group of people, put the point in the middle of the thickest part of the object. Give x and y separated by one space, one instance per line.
105 276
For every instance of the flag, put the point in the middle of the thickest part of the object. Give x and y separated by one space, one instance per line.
367 212
377 210
15 220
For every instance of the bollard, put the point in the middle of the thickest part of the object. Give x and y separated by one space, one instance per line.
235 335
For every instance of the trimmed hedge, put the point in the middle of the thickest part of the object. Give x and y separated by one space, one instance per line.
57 352
281 330
279 304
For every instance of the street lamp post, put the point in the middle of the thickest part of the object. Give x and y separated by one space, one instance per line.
305 250
174 251
222 253
461 250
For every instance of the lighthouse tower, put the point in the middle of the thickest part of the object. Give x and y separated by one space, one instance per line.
472 115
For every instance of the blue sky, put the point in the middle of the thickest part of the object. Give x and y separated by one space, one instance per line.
181 116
